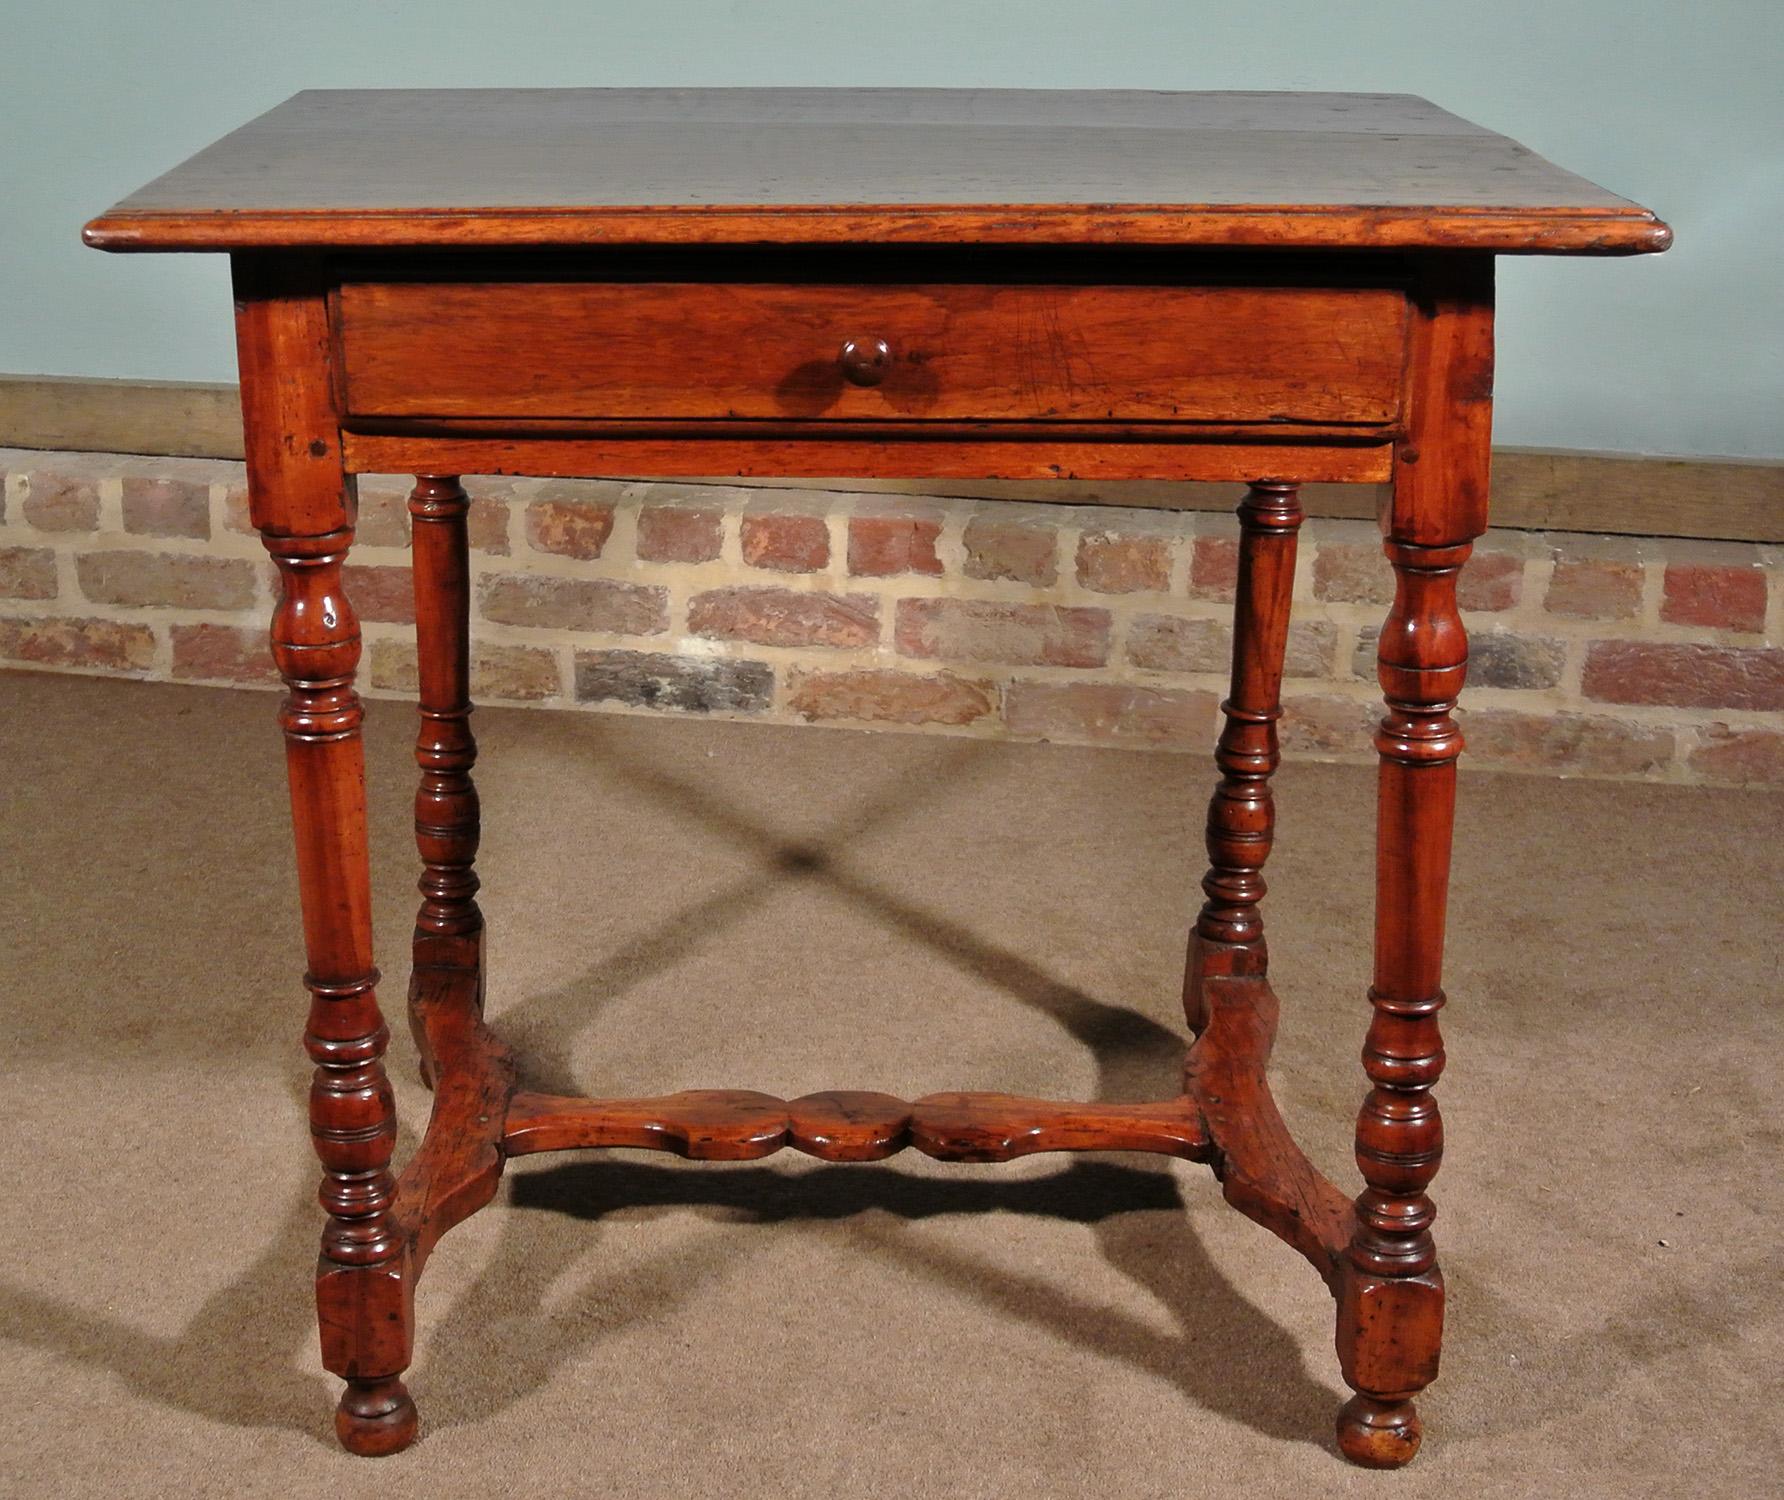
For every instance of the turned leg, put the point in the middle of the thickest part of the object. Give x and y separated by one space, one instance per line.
1390 1292
303 505
1229 935
449 926
362 1291
1391 1303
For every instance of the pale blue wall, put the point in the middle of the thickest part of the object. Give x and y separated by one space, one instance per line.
1677 103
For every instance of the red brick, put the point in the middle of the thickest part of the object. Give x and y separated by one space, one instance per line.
27 573
162 580
1319 725
166 507
383 514
883 546
569 529
61 502
1111 713
1497 658
236 516
69 642
1112 563
785 617
1353 573
545 603
1747 757
523 673
1165 643
390 666
1021 551
1595 588
1491 581
1685 676
1580 744
680 533
222 653
486 525
1312 645
647 679
1725 597
786 543
380 592
1051 635
1214 568
892 697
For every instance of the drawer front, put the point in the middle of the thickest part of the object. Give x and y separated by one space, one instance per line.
932 352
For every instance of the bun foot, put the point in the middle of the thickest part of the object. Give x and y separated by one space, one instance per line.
376 1417
1378 1434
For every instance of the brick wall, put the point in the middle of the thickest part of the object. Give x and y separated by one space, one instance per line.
1591 656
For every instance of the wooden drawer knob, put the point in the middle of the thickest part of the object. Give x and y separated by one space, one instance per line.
865 361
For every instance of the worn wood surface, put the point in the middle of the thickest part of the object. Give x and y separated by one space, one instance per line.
751 166
301 501
1054 454
741 1125
1061 352
285 350
459 1162
1287 371
449 925
1262 1172
1390 1300
1229 935
83 414
1227 998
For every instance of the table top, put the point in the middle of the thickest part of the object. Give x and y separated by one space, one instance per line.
494 167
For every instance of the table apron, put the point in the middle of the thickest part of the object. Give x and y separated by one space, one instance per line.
430 449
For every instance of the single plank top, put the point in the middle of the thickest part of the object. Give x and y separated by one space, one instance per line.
493 167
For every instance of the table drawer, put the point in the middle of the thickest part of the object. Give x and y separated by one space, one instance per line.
629 350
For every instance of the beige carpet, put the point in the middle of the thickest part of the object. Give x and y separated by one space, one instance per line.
686 904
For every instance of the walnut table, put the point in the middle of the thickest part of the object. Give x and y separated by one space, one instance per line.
1271 288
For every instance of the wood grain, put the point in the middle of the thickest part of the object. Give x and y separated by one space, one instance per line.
301 502
459 1163
839 450
1229 933
449 931
663 350
421 167
291 427
449 926
1227 999
1119 375
1390 1301
741 1125
1262 1172
85 414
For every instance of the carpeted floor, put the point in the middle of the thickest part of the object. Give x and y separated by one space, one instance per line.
715 905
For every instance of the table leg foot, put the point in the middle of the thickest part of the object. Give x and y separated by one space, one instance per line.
376 1417
1378 1434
